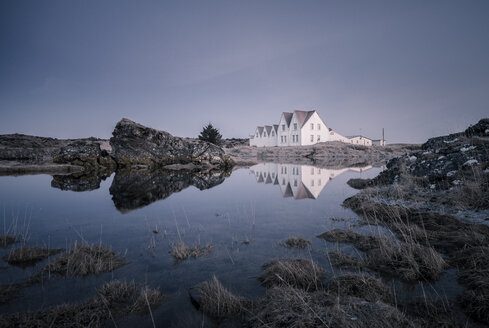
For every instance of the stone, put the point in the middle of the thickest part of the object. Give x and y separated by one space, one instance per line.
136 144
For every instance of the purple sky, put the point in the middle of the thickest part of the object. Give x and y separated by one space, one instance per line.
74 68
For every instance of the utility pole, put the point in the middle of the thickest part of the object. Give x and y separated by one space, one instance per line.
383 140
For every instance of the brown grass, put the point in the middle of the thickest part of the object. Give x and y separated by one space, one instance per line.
84 259
291 307
113 299
407 260
361 242
295 242
344 261
182 252
430 313
298 273
27 256
217 302
6 240
475 303
362 286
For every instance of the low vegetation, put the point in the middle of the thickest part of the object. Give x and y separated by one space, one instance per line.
27 256
182 252
84 259
6 240
298 273
114 299
217 302
343 261
295 242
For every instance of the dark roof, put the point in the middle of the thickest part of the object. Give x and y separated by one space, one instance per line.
288 191
275 127
349 137
303 116
260 178
288 117
303 193
268 128
269 179
260 130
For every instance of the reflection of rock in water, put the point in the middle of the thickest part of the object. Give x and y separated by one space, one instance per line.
135 189
78 182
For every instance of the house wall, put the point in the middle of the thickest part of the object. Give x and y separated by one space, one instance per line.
283 135
318 129
361 141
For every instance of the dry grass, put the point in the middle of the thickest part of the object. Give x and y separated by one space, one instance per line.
358 183
114 299
148 299
344 261
430 313
6 240
8 293
295 242
475 303
361 242
217 302
298 273
27 256
84 259
296 308
362 286
408 261
182 252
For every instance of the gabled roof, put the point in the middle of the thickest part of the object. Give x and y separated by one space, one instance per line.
269 179
260 130
288 117
268 128
303 116
275 127
288 191
260 178
303 193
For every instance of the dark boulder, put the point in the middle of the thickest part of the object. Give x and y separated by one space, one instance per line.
135 144
87 153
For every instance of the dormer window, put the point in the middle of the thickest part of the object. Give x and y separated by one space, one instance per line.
319 126
295 126
283 127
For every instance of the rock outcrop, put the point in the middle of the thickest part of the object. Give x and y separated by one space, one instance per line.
135 145
443 161
87 153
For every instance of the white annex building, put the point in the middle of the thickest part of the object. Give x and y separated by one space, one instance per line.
300 128
299 181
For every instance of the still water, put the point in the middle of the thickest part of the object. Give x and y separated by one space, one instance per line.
264 205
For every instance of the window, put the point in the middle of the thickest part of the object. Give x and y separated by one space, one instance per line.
312 138
319 126
312 171
319 171
283 127
319 182
273 175
319 137
285 138
257 134
285 170
283 182
312 183
282 139
295 183
312 126
295 126
273 134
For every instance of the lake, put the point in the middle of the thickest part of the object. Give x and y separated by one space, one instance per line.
244 216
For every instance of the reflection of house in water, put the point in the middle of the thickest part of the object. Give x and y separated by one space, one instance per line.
298 181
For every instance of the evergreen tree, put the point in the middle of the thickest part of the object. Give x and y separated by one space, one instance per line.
211 134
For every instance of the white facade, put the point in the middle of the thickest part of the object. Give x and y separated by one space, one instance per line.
298 181
299 128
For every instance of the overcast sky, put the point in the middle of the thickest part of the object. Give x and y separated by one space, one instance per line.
74 68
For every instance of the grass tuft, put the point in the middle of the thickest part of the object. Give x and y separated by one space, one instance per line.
28 256
362 286
298 273
295 242
182 252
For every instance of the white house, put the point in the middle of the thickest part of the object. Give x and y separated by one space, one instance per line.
299 128
298 181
